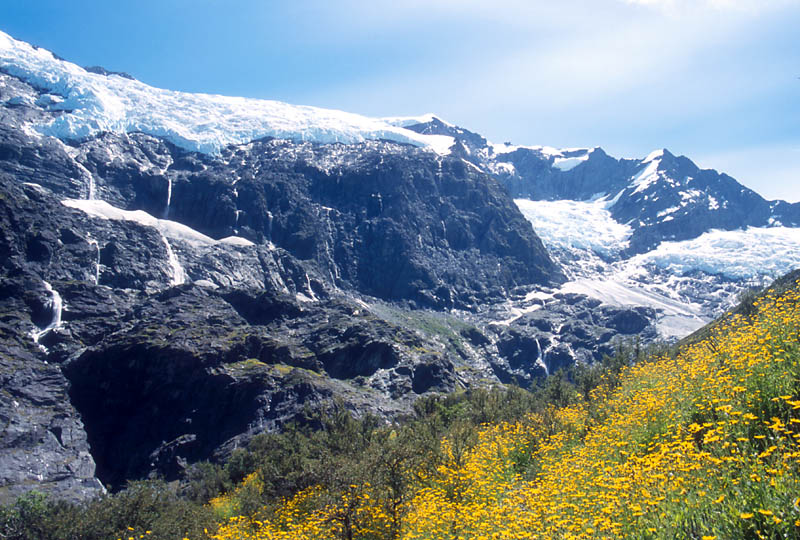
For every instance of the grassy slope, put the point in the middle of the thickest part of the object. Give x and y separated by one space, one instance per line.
700 445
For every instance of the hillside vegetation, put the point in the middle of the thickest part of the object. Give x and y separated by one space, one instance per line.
699 442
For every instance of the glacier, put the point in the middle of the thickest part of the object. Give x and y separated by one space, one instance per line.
683 281
581 233
92 103
578 227
742 254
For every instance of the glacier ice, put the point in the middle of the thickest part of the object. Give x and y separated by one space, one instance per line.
741 254
576 225
94 103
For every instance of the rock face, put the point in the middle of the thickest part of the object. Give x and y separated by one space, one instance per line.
385 219
42 443
139 377
564 329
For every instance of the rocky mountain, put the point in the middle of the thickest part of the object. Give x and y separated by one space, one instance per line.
661 197
181 271
657 232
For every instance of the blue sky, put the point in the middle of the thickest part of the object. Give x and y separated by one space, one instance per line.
716 80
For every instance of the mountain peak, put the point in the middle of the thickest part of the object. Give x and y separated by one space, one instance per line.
657 155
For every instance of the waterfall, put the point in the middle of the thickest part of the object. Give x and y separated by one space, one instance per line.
169 197
178 276
163 171
309 289
89 179
56 305
540 357
93 242
333 268
237 212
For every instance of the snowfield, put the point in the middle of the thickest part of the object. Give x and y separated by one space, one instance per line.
94 103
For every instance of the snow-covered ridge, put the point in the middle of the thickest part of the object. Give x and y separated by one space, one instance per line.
206 123
563 159
546 151
649 175
405 121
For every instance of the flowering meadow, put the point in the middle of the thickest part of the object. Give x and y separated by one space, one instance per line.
701 443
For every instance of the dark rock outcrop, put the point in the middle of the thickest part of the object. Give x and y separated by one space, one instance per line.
566 329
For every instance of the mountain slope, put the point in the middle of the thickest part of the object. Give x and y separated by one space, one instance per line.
241 261
701 443
661 197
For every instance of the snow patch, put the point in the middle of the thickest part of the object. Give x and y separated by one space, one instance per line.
654 155
406 121
171 229
690 195
502 167
675 319
507 148
668 211
236 241
568 163
646 176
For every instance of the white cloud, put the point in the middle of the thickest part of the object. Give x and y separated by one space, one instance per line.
678 7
